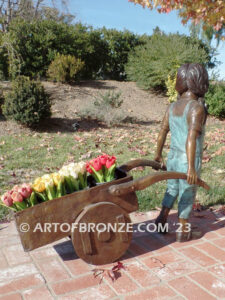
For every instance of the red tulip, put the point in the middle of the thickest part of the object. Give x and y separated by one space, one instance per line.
7 199
88 168
17 197
25 191
96 164
110 161
103 158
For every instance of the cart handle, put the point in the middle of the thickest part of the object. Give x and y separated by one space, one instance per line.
142 163
144 182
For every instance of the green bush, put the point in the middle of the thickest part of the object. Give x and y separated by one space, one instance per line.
119 43
2 100
215 99
150 64
37 43
105 109
27 102
65 68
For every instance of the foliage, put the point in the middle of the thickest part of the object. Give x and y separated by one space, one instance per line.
36 44
119 44
2 100
65 68
211 12
105 109
215 99
3 60
109 99
27 103
150 65
171 91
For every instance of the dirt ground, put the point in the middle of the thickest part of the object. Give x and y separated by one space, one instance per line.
67 100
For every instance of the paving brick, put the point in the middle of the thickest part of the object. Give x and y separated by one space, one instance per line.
6 241
155 244
16 296
159 293
65 250
15 255
198 257
15 272
218 270
53 270
123 284
8 228
77 266
209 282
142 275
189 289
74 284
178 245
175 270
221 231
162 259
100 292
20 284
38 294
3 261
220 243
42 253
210 235
212 250
137 249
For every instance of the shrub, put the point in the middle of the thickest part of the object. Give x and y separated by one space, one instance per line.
65 68
215 99
170 86
27 103
2 100
119 43
150 65
105 109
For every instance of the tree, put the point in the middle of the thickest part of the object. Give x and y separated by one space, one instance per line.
30 10
211 12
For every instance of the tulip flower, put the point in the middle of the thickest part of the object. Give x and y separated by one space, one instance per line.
25 190
59 181
18 201
6 200
50 187
110 168
96 170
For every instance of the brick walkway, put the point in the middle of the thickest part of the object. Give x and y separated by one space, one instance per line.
157 266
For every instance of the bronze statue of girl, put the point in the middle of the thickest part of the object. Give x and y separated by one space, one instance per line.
185 119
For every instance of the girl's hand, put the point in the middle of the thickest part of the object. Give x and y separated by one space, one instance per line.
192 176
160 159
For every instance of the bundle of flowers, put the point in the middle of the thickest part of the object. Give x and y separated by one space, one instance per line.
102 168
70 178
19 197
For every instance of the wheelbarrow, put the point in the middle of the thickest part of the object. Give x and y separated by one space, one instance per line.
106 204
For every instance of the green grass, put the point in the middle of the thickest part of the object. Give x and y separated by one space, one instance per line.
25 157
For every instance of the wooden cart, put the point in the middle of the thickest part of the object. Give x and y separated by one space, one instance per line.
108 203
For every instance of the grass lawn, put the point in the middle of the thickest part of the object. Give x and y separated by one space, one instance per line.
27 156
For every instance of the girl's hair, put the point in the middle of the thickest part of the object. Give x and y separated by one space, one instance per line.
192 77
181 82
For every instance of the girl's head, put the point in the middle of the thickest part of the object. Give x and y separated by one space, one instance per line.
193 78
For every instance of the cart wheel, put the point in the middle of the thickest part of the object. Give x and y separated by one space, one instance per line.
101 233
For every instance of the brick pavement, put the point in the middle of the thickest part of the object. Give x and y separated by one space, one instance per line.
157 267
